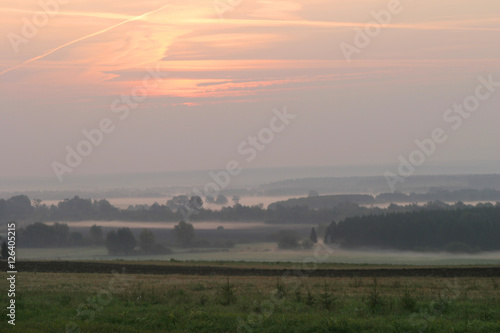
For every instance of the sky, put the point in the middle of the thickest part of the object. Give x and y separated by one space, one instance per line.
186 85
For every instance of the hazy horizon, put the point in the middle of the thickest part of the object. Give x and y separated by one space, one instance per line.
250 177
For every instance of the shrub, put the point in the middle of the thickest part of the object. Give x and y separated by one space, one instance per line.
310 300
408 302
326 297
374 300
227 293
280 289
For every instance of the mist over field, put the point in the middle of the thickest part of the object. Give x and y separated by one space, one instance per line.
251 224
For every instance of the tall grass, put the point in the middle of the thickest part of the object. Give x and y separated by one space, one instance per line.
47 302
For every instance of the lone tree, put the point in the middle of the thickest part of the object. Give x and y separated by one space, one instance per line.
121 241
312 237
96 234
146 240
196 202
184 233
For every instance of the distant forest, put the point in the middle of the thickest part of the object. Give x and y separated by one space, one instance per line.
469 229
435 226
21 208
325 201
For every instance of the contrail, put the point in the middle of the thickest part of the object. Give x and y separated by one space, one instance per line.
82 38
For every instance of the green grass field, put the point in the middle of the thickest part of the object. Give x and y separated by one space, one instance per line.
70 302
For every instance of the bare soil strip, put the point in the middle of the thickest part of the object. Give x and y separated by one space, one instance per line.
168 269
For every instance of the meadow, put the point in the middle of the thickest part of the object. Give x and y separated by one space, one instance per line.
71 302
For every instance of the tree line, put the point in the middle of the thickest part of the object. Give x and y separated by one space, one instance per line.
121 241
436 227
468 229
316 201
21 208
